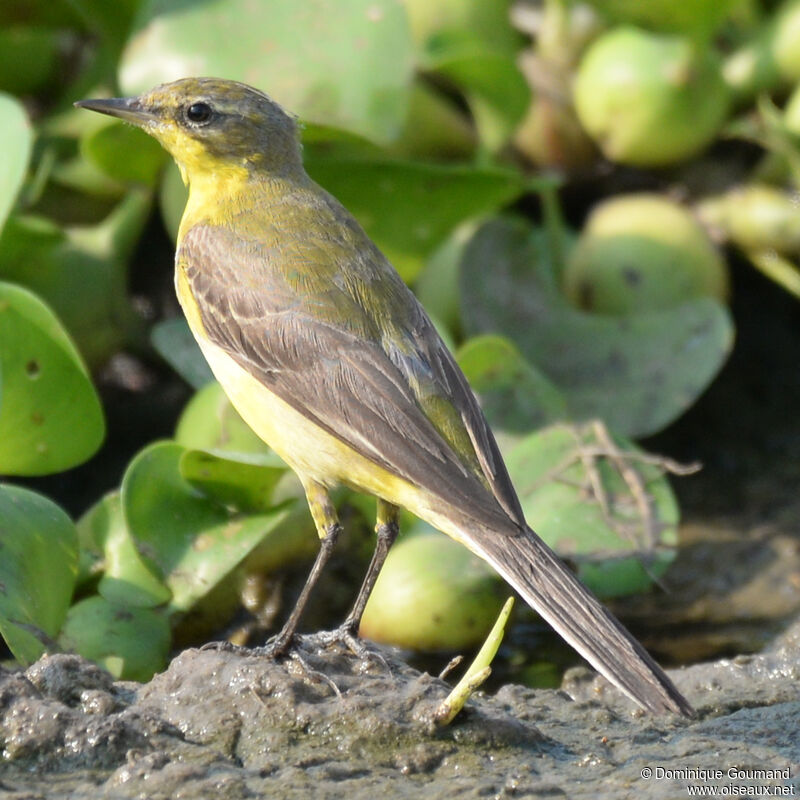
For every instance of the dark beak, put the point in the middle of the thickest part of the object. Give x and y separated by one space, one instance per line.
126 108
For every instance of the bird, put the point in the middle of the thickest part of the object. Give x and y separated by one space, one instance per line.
329 357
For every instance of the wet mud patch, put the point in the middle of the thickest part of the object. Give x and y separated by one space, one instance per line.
327 724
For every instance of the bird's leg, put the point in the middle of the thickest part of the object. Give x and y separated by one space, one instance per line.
324 513
386 529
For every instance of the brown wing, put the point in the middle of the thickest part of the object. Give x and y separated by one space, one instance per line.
384 383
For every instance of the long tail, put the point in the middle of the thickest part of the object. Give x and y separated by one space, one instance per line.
529 565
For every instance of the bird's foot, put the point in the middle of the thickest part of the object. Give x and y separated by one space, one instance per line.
345 635
275 647
224 646
279 645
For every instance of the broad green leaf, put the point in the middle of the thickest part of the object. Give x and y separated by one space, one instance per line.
487 23
193 540
38 568
436 128
408 208
210 422
345 63
81 272
131 643
514 395
124 153
436 286
172 196
15 152
700 17
239 480
494 87
175 343
127 580
637 373
621 537
28 58
110 23
38 12
50 415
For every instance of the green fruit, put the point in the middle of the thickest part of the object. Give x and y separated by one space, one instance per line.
648 99
755 218
769 60
784 41
642 252
432 594
791 112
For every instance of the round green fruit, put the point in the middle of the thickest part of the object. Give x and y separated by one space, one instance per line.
784 41
649 99
642 252
432 594
755 217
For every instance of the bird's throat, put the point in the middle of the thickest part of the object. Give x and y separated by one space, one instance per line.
215 194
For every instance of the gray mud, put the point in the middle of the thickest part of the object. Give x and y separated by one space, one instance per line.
326 724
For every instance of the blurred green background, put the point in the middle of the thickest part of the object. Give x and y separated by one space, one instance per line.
562 183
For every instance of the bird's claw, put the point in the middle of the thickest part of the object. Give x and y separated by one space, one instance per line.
224 646
343 635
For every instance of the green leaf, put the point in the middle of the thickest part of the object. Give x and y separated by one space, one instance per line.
174 341
436 286
15 152
435 129
637 373
172 196
700 17
38 568
131 643
28 58
193 540
514 395
109 23
124 153
240 480
408 208
50 415
210 422
495 89
621 538
345 63
486 23
127 580
81 272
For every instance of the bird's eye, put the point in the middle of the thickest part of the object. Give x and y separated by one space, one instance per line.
198 113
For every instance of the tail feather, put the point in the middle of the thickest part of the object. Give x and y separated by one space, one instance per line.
542 579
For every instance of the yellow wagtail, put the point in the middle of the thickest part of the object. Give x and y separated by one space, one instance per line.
331 360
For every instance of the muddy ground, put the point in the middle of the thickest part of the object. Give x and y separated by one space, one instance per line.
329 725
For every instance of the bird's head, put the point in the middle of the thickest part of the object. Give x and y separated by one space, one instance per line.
210 125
